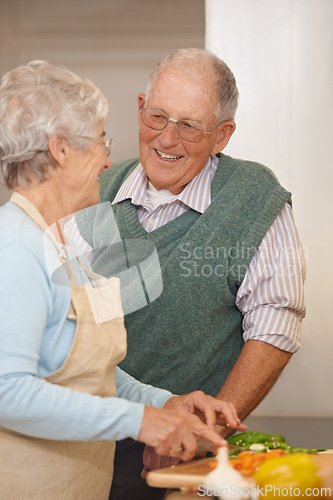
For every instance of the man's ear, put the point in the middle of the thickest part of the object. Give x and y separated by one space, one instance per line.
58 147
225 131
141 99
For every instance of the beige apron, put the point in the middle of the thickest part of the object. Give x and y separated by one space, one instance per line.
41 469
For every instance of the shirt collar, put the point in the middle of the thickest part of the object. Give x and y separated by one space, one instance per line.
134 187
195 195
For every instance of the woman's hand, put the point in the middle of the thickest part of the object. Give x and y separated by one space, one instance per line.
212 411
175 432
215 412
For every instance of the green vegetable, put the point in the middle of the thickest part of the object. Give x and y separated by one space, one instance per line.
234 453
247 438
259 441
312 451
282 445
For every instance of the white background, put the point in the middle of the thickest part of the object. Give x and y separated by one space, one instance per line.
115 43
281 53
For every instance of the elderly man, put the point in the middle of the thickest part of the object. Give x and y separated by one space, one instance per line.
229 316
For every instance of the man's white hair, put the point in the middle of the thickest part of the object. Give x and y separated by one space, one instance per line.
201 62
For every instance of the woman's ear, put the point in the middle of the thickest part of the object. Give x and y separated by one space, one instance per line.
58 147
225 129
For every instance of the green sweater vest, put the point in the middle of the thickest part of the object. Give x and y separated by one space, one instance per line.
190 336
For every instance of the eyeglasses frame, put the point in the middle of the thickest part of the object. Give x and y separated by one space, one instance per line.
175 122
107 142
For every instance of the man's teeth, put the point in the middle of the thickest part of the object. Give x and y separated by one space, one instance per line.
165 156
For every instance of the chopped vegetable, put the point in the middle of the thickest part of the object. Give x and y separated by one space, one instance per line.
259 441
248 462
247 438
294 471
310 451
257 447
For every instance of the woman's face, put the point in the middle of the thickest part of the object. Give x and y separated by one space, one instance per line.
85 169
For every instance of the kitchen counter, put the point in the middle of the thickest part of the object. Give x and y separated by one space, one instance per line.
308 432
305 432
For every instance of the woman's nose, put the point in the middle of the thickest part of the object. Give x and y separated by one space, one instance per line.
108 163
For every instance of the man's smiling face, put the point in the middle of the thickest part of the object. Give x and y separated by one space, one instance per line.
169 161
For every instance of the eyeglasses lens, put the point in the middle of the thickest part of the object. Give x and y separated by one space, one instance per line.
187 130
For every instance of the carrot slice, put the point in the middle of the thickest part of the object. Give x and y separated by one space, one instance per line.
247 462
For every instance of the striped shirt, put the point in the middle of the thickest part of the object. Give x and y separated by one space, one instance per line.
271 296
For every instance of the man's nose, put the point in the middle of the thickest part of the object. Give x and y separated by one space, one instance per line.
169 135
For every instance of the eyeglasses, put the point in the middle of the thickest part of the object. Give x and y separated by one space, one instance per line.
187 130
107 143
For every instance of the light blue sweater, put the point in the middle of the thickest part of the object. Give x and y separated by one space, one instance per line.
35 338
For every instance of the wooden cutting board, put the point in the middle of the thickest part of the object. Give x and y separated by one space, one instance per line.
192 474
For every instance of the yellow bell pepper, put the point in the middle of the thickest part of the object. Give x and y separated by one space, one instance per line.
287 476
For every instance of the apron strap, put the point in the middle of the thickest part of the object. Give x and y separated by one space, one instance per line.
30 209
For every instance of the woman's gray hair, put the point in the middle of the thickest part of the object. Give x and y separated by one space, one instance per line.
202 62
38 100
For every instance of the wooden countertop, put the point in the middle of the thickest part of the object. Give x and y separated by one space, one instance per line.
192 474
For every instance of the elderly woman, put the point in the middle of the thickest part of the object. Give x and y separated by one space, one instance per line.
63 401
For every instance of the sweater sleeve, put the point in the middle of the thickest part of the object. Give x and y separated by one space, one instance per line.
130 388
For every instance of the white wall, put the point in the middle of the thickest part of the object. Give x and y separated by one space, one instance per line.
115 43
282 55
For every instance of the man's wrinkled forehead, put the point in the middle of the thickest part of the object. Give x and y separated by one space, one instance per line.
185 70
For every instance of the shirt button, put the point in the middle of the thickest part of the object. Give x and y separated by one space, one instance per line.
152 222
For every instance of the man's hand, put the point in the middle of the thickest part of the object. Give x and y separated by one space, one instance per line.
212 411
